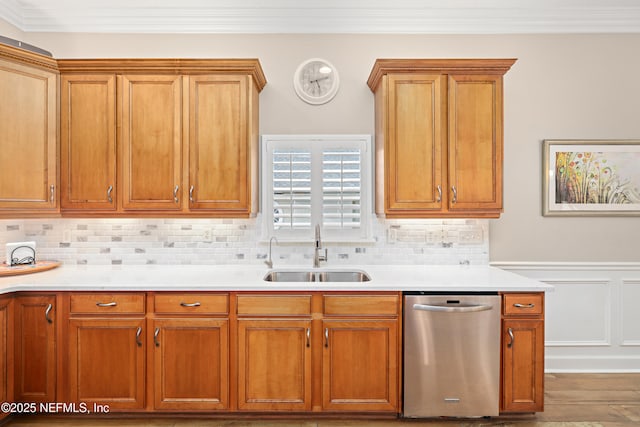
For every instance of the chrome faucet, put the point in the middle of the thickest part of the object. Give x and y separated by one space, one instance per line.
269 261
317 257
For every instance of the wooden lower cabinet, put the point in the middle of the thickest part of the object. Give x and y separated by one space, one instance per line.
107 362
35 348
6 361
360 365
274 364
523 352
190 364
523 360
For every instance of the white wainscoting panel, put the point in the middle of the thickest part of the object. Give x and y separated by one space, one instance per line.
630 312
578 313
592 317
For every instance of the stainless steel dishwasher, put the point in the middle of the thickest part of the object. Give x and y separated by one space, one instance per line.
451 355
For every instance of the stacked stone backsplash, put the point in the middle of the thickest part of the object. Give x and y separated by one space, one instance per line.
239 241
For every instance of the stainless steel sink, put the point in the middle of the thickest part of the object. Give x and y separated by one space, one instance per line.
289 276
316 276
342 276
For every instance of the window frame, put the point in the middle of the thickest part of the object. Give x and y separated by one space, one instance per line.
316 144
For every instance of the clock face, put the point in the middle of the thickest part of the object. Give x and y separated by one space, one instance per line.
316 81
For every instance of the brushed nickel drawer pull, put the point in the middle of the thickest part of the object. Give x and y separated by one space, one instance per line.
518 305
191 194
175 194
47 312
107 304
455 194
326 337
511 338
190 304
308 337
439 198
52 190
138 332
155 337
109 191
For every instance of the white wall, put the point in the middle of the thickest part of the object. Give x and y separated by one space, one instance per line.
562 86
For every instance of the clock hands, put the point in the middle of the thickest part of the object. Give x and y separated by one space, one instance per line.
317 82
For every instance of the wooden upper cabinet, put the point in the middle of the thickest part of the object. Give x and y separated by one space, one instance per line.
415 142
88 142
219 143
28 132
475 142
439 137
160 137
151 146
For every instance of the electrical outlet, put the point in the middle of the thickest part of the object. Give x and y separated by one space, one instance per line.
66 236
207 235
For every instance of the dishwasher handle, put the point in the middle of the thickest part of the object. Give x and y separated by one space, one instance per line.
452 309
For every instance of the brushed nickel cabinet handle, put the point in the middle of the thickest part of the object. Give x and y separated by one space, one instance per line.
518 305
326 337
455 194
52 191
109 191
175 194
107 304
138 333
190 304
308 337
439 198
156 341
47 312
191 194
511 338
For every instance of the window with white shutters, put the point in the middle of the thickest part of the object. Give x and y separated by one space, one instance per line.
316 179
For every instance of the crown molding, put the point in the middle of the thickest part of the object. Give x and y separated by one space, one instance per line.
328 17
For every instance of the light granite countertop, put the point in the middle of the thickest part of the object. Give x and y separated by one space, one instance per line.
431 278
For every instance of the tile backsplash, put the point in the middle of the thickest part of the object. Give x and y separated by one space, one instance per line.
237 241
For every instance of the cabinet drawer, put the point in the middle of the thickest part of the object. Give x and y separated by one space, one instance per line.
347 305
523 304
274 305
186 303
103 302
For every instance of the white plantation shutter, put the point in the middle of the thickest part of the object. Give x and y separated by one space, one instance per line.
318 179
341 184
291 189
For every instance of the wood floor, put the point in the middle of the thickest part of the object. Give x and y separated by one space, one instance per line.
580 400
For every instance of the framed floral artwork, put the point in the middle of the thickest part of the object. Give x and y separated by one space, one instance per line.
591 177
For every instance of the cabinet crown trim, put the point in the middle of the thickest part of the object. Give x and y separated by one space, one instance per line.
440 66
22 56
250 66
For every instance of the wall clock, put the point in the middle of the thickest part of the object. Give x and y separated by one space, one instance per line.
316 81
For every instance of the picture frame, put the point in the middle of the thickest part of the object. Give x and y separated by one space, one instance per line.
591 177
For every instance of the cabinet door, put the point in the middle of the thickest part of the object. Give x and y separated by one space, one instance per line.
360 365
151 142
107 362
475 142
88 142
274 365
523 365
219 143
414 148
5 395
35 348
191 364
28 131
